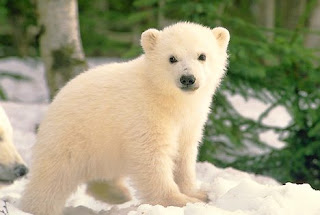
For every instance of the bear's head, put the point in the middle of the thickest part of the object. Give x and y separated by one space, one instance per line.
186 57
12 165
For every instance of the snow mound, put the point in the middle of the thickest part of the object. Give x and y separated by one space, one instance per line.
231 192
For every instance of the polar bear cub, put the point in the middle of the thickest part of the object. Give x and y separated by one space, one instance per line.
143 119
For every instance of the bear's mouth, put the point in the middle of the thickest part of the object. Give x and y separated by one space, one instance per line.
6 182
189 88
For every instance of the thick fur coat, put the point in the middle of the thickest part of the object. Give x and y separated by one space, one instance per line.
136 119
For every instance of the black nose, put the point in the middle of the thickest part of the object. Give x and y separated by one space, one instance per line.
20 170
187 80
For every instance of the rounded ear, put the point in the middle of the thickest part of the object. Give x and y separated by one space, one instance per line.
222 35
149 39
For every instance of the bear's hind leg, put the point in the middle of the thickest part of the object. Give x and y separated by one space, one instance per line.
111 192
49 187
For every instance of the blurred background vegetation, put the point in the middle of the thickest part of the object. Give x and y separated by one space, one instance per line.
274 57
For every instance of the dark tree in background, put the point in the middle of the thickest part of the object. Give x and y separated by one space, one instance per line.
274 57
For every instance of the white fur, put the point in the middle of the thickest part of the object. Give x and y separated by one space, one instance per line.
131 119
9 156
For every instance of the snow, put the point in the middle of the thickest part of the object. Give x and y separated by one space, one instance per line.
231 192
33 90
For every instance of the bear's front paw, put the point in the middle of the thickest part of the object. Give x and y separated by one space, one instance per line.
179 200
201 195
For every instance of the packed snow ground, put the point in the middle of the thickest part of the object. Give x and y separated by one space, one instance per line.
231 192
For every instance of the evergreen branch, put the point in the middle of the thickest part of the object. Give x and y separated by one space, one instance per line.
275 128
3 95
269 109
266 112
302 19
16 76
262 127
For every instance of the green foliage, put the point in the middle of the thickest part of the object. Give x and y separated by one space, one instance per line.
18 32
293 83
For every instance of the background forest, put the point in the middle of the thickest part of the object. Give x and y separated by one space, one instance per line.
274 57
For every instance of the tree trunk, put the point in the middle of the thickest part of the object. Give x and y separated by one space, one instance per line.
290 12
312 39
60 42
161 18
264 11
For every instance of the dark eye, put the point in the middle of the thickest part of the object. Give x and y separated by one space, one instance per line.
202 57
172 59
